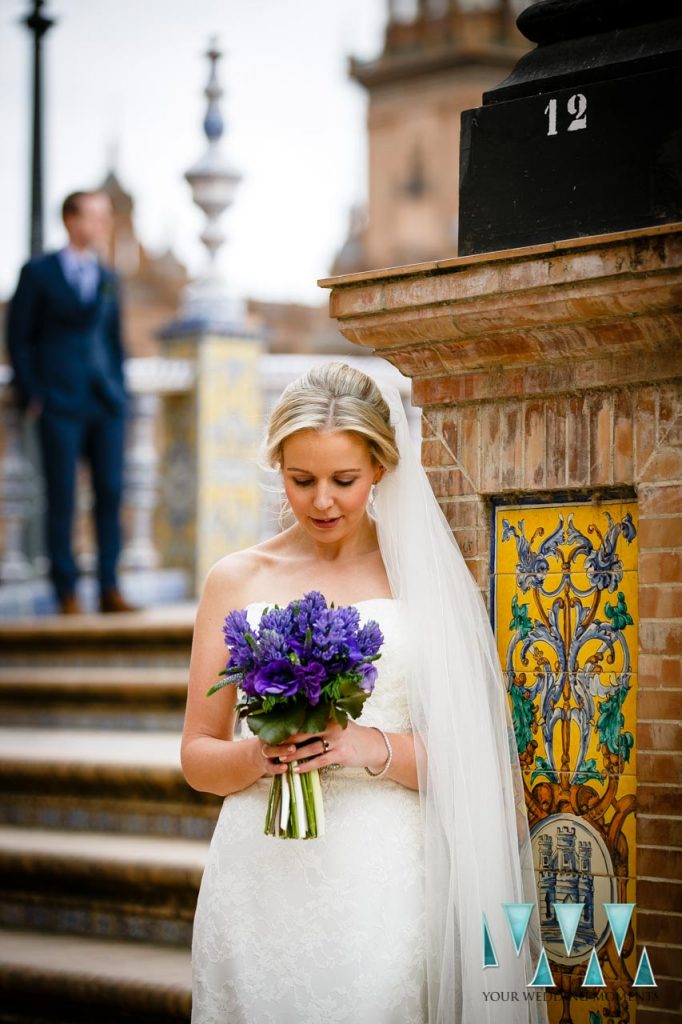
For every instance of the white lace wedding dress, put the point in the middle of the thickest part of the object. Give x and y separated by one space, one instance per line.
327 930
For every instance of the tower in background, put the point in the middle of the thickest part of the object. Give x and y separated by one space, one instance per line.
439 56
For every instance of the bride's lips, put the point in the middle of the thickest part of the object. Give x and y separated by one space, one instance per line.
325 524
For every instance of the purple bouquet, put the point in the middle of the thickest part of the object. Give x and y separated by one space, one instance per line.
303 665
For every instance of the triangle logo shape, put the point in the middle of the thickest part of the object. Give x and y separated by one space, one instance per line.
644 978
489 955
568 915
543 975
518 916
619 915
593 976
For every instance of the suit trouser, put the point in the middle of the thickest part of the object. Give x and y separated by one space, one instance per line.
97 434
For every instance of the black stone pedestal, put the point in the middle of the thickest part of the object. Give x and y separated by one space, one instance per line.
585 136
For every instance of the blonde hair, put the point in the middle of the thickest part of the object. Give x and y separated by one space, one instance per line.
331 396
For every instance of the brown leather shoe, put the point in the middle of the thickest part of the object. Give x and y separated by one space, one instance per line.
113 601
69 604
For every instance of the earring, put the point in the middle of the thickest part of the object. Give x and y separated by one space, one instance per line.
370 502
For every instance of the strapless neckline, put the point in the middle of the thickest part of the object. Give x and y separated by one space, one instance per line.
366 600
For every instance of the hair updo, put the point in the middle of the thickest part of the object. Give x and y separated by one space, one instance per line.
331 396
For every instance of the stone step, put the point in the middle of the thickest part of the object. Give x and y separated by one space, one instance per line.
63 979
120 887
106 781
102 697
153 636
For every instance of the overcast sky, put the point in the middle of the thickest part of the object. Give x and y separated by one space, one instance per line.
124 84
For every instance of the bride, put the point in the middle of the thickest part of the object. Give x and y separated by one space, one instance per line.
380 920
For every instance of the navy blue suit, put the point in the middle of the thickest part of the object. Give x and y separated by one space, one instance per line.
68 354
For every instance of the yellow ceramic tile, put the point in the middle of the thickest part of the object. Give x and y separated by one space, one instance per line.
565 577
592 743
541 521
576 716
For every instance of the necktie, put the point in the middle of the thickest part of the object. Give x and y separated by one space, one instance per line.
86 277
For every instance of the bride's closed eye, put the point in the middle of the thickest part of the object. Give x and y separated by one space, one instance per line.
342 483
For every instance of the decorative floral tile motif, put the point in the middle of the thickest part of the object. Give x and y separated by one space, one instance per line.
565 590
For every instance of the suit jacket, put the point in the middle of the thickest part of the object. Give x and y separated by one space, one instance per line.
60 346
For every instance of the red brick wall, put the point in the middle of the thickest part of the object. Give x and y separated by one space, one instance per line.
594 443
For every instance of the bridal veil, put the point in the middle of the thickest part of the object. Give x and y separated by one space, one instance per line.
476 838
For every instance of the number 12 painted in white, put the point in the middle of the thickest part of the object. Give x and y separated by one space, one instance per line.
577 108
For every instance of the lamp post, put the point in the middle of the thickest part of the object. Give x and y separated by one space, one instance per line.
38 25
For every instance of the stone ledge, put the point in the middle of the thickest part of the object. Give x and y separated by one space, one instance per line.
498 257
470 322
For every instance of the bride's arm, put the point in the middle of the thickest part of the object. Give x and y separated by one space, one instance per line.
403 767
212 761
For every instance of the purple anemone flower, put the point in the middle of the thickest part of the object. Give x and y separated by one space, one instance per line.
311 678
276 679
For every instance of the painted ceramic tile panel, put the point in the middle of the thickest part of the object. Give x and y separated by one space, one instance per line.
566 615
230 421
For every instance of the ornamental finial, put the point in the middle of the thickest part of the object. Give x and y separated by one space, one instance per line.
213 183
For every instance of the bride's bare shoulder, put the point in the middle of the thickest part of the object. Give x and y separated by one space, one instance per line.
243 576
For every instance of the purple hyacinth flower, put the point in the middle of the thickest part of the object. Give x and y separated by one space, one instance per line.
276 679
272 645
236 625
279 619
370 638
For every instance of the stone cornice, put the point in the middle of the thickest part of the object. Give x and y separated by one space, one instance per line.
577 311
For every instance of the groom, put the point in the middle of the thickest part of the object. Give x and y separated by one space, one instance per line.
64 344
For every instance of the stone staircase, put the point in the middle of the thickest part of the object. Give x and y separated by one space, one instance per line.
102 842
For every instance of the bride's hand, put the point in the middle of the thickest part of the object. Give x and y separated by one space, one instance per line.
355 746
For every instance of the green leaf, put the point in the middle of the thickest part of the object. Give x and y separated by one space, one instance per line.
353 703
316 717
278 724
249 705
340 716
219 685
348 685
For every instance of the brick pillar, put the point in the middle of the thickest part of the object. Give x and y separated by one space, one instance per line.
552 375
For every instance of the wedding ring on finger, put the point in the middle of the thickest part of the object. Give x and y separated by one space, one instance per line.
325 744
262 750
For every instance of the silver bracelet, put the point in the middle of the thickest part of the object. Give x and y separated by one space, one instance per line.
383 771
